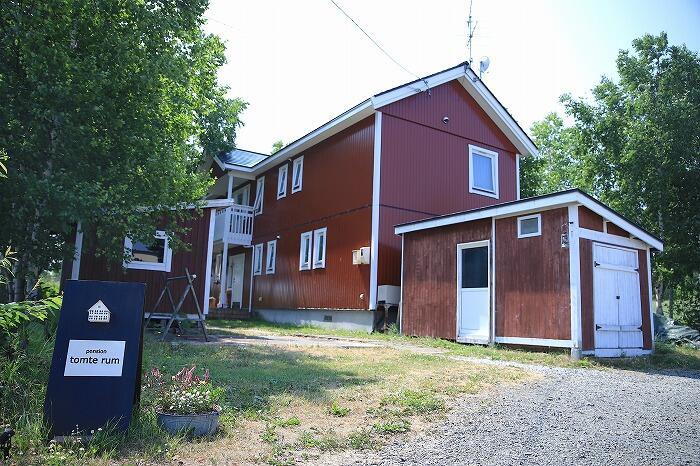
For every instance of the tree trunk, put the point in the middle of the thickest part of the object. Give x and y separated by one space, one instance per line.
671 295
659 290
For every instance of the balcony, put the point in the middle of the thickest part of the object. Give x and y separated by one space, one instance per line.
234 225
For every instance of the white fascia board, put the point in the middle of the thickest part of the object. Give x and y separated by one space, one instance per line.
478 91
219 162
416 87
337 124
545 203
535 341
497 113
634 230
495 211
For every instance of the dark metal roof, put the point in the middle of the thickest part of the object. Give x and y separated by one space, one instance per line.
242 158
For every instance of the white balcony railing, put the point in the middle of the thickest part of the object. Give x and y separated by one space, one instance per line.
235 224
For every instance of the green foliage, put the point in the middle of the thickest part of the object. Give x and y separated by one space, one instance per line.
276 146
106 107
397 426
338 411
15 315
686 307
635 146
415 402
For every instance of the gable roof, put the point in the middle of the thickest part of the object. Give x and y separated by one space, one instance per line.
547 201
462 73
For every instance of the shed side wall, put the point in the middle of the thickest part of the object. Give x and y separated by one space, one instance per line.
532 280
429 293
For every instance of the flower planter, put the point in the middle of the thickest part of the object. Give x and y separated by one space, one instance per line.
198 424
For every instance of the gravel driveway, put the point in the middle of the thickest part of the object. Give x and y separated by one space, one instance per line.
569 417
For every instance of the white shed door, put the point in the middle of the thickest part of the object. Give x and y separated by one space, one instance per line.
616 300
473 295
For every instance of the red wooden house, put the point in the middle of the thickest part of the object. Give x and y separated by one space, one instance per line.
306 235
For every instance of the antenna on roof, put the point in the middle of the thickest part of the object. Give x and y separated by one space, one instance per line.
470 31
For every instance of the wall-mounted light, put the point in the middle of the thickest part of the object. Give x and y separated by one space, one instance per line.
445 119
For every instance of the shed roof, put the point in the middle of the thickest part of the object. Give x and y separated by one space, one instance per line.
242 158
533 204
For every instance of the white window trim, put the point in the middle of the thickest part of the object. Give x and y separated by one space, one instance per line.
282 181
305 262
257 259
298 165
259 193
164 266
494 157
271 254
320 264
539 226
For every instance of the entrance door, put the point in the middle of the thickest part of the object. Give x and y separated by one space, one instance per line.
473 292
236 277
617 301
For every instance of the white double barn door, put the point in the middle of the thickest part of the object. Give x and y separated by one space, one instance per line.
616 301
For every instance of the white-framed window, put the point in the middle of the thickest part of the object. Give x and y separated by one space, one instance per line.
297 174
305 251
259 195
483 171
149 255
241 196
319 259
529 225
271 257
257 259
282 181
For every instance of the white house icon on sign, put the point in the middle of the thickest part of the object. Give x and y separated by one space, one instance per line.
98 312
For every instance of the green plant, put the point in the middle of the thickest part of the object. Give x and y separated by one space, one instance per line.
361 439
392 427
185 392
338 411
415 402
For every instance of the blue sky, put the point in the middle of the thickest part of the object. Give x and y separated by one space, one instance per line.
299 64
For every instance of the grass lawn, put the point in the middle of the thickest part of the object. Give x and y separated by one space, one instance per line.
665 356
282 404
286 404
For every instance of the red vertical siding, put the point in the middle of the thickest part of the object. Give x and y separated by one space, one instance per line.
425 163
532 280
429 295
337 194
195 259
589 219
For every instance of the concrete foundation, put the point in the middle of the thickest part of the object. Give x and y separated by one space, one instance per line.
332 319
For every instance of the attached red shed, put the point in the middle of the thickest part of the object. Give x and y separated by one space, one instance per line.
561 270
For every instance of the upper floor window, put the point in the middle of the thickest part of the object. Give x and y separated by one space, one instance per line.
241 196
282 181
257 259
305 251
529 225
320 248
149 255
259 195
297 174
271 257
483 171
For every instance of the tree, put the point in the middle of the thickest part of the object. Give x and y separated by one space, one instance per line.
276 146
107 106
636 146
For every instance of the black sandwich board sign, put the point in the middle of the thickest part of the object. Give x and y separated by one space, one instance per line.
95 375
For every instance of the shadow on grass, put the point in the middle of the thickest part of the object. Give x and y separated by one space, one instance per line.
258 381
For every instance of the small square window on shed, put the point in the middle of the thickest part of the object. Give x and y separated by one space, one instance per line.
529 225
153 254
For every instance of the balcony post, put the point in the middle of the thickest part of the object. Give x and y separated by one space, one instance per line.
223 298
